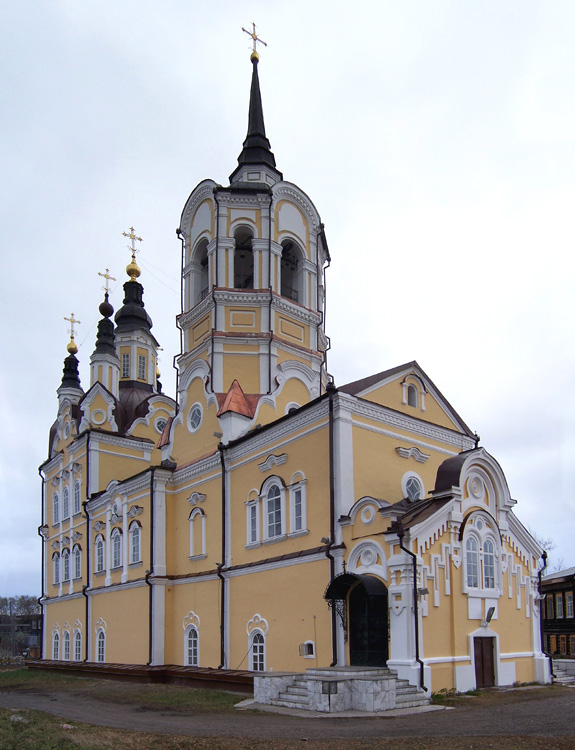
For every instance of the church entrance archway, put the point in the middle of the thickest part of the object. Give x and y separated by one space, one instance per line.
484 662
362 603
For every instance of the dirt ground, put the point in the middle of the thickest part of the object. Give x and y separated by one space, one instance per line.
526 712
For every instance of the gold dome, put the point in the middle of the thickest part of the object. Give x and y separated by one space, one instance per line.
72 348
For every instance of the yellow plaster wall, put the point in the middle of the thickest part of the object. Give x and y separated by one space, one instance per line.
204 600
188 446
271 594
244 367
125 613
290 329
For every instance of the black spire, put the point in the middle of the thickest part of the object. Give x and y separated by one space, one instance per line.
105 340
256 147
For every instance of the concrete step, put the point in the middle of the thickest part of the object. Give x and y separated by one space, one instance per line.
296 690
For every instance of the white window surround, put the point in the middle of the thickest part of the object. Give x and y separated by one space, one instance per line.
413 392
56 508
65 504
66 646
298 505
77 498
56 568
266 515
65 566
77 561
100 645
481 557
141 367
77 646
192 646
56 646
197 516
408 481
195 415
257 648
135 537
99 557
116 542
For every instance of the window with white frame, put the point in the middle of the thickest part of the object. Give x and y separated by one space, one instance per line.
412 486
116 539
77 646
197 519
253 521
569 604
550 607
135 542
66 646
125 365
101 646
559 606
99 556
273 511
65 565
56 508
412 396
55 645
141 367
192 647
257 651
65 504
77 500
297 503
481 553
77 561
56 568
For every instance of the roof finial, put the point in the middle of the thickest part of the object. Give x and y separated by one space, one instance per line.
72 347
108 278
132 269
254 56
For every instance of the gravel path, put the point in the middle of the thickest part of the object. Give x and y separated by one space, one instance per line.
538 712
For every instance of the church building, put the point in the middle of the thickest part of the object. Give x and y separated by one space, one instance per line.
269 519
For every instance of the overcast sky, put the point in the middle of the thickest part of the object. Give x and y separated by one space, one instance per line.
436 140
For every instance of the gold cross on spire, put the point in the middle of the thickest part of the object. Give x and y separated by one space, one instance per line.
132 269
108 278
256 39
72 348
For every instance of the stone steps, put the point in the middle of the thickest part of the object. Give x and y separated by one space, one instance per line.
563 678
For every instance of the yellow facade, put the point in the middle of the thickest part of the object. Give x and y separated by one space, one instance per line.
266 519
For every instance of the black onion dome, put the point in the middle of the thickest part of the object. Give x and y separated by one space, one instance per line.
132 315
105 339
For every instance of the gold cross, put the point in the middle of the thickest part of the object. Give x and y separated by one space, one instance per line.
256 39
108 278
133 237
72 320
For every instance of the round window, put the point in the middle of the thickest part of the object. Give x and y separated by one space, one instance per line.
413 488
160 424
195 417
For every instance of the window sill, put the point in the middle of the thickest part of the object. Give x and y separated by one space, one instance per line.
115 568
274 539
197 557
483 593
301 532
99 572
253 545
136 564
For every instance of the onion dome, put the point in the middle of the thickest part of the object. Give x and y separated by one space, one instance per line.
105 340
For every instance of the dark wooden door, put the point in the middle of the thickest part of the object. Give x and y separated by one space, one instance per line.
484 666
368 618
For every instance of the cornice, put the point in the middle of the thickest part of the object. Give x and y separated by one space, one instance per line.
122 442
190 472
286 189
282 304
204 190
395 419
186 319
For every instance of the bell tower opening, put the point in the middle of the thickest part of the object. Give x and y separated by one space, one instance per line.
291 272
243 259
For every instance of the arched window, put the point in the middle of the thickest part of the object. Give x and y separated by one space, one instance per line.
99 556
66 646
56 568
412 486
77 561
77 500
56 645
257 651
412 396
243 259
65 565
77 646
116 538
56 508
101 646
488 564
65 504
197 521
291 272
273 511
135 539
192 647
472 560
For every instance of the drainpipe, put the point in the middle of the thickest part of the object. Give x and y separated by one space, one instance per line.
217 283
541 612
331 391
400 534
322 311
41 597
222 564
88 549
150 572
271 293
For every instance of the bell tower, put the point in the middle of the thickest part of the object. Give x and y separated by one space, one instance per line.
254 254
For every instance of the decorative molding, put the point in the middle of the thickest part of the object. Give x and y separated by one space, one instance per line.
412 452
55 544
135 510
191 619
257 623
76 535
99 526
196 497
271 461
